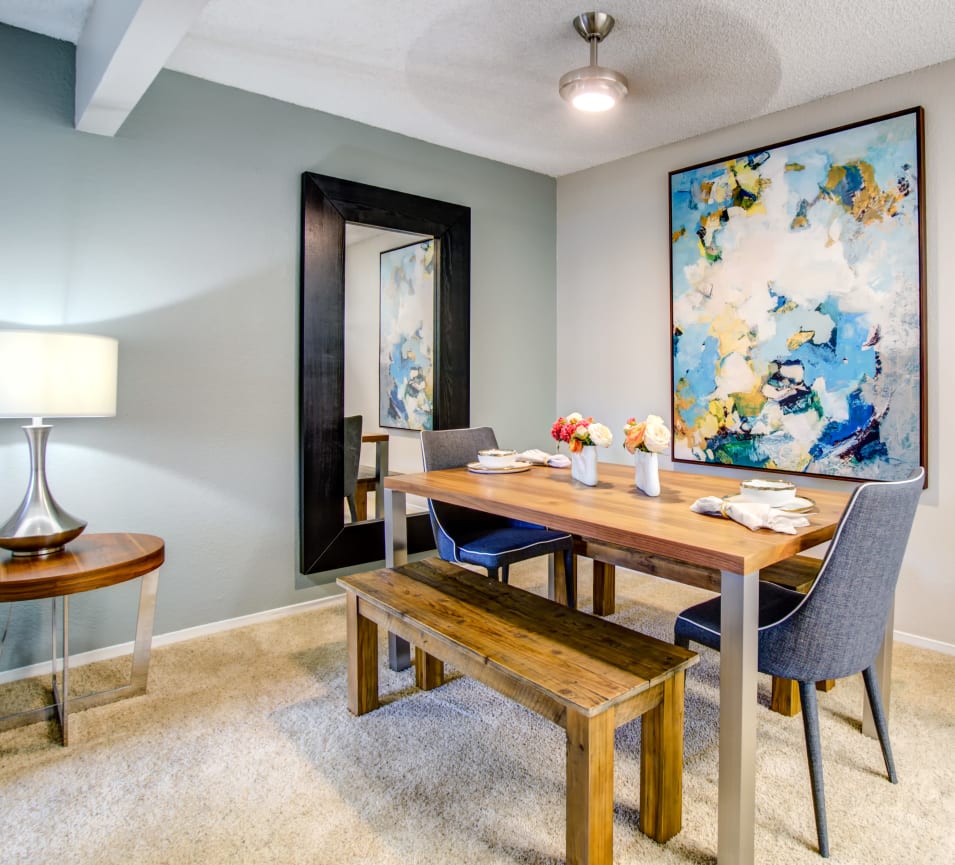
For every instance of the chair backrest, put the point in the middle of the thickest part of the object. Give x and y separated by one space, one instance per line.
839 626
352 453
448 449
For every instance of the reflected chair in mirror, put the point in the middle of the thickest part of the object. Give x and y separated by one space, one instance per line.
493 542
837 628
357 508
360 479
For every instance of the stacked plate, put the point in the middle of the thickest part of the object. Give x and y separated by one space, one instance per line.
775 493
497 461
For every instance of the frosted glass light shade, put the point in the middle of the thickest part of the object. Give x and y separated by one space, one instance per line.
57 374
593 88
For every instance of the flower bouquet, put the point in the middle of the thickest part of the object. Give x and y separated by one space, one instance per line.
645 440
582 435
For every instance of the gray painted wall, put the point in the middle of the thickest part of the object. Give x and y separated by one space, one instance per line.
180 237
632 310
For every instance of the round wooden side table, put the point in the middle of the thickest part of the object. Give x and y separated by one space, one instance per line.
90 562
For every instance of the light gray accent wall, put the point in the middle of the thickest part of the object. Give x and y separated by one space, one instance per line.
619 302
180 237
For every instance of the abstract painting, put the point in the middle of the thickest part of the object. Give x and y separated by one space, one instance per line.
797 304
406 344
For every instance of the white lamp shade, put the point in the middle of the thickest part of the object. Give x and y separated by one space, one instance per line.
57 374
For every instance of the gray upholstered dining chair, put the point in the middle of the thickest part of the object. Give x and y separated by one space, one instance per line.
836 629
472 537
352 458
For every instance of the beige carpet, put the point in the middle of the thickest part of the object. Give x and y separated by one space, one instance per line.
243 752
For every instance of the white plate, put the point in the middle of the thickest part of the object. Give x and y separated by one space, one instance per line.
503 470
799 505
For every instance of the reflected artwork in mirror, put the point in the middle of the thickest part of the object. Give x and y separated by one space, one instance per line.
328 542
406 337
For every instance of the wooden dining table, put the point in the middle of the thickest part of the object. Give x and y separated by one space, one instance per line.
615 516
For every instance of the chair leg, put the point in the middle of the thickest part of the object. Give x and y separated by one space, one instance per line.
682 642
810 721
874 693
352 508
570 576
504 573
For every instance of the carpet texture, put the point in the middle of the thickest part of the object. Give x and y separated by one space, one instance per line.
243 751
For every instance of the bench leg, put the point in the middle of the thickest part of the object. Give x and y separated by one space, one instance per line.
785 695
661 764
605 588
590 789
428 670
362 637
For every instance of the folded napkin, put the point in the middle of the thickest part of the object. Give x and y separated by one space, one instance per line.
542 458
753 515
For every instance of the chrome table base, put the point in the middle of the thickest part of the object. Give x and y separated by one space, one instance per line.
63 703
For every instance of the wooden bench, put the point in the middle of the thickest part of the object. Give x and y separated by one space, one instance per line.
585 674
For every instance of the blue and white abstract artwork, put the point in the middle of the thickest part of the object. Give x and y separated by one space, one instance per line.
406 344
797 305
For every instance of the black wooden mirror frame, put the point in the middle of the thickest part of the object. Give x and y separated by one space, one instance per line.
327 541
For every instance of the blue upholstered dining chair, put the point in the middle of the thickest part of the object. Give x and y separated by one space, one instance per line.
473 537
836 629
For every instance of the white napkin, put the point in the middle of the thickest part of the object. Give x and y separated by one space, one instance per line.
542 458
753 515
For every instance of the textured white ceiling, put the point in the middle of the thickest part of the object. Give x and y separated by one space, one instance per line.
481 75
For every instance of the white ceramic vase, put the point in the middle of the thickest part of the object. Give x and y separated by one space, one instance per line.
647 474
583 465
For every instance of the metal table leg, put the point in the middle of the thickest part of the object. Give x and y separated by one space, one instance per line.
738 656
61 692
63 703
396 553
381 472
142 648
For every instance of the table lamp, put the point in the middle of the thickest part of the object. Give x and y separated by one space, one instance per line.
51 375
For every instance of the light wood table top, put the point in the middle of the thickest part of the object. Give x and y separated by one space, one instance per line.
616 512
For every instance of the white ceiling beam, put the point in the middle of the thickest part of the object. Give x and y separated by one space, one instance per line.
123 46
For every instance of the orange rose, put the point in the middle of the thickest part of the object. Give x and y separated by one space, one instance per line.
634 433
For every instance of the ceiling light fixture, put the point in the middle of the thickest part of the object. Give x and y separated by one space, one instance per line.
593 87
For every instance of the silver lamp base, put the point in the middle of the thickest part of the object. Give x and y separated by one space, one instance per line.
40 527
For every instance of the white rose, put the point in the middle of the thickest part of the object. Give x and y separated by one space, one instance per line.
574 417
600 435
656 437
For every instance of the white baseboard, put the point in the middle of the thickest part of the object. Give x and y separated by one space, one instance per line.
109 652
121 649
924 642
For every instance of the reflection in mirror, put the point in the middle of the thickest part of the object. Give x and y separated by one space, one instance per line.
379 450
329 541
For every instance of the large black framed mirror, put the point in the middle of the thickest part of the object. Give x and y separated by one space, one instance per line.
328 542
